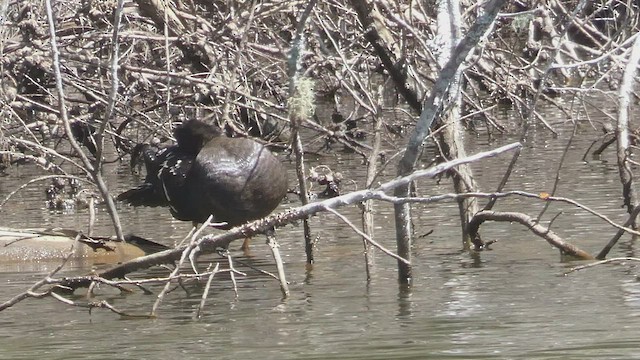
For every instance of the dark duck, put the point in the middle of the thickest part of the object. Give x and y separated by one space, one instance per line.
206 173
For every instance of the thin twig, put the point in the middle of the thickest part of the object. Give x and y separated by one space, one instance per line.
275 250
367 237
232 274
205 293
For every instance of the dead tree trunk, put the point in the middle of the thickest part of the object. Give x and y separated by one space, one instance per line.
451 138
622 138
431 111
367 206
622 130
301 106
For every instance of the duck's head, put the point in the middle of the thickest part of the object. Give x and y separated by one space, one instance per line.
192 135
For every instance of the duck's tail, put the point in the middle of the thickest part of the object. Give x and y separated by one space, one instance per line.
143 195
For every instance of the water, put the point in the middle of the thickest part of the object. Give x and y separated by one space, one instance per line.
510 302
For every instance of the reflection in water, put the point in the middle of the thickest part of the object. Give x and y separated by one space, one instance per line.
404 302
509 302
463 301
631 295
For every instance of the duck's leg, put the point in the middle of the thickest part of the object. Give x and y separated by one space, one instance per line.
245 244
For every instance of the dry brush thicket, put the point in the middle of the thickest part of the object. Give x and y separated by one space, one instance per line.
228 61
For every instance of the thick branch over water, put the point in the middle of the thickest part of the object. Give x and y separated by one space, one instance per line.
211 243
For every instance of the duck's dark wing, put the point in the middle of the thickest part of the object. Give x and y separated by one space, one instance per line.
173 181
236 180
166 173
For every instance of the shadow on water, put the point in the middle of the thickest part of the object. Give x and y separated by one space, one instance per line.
509 302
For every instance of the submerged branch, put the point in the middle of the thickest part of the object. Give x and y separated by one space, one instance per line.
533 225
601 262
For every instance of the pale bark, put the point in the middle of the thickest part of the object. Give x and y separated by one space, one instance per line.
452 136
367 206
431 110
297 117
623 146
622 129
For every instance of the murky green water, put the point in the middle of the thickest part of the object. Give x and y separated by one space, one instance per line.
510 302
